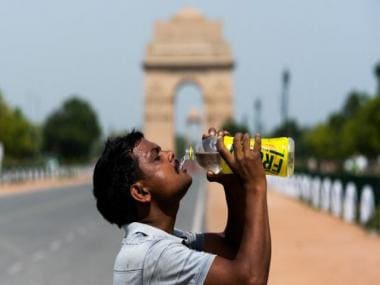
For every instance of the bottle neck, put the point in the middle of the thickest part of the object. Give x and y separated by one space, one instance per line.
189 155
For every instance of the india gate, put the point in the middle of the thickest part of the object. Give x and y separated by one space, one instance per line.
186 49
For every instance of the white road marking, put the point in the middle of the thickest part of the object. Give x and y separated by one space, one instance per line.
198 212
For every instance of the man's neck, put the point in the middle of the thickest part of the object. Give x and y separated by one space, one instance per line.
163 220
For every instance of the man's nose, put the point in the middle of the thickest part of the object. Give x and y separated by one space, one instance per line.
171 156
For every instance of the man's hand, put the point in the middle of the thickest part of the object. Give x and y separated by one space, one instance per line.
250 264
227 180
245 162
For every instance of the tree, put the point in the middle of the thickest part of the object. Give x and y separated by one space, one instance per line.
20 137
320 141
336 139
180 145
365 129
234 127
377 75
292 129
354 129
355 100
71 131
289 128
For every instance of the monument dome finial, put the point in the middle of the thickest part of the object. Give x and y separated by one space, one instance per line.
188 13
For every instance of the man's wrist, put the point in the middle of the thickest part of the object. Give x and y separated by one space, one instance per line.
256 186
232 181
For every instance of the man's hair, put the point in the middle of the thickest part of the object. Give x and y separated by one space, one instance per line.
115 171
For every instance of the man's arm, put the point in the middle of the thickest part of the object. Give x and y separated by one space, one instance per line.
227 243
252 260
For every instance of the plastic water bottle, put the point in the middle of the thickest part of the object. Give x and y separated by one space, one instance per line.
277 155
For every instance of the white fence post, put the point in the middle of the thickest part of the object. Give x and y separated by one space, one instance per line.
315 192
367 204
349 204
337 198
326 194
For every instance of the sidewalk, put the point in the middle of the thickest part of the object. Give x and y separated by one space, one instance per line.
42 185
308 246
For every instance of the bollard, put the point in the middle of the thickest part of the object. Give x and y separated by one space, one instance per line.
349 204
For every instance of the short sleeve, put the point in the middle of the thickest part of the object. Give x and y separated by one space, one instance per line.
169 262
191 240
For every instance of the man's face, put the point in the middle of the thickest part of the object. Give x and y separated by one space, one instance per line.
162 174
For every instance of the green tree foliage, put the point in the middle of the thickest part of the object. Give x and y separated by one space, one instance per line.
20 138
320 141
377 75
288 129
292 129
71 131
353 103
234 127
180 145
354 129
365 129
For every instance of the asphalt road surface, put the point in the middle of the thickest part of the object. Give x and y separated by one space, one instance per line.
57 237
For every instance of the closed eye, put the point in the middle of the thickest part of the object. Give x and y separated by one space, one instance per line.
156 154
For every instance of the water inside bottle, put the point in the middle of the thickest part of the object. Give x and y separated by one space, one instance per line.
209 161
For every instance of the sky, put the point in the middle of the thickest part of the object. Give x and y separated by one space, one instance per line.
50 50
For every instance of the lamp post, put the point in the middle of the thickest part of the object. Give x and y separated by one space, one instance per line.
285 99
257 106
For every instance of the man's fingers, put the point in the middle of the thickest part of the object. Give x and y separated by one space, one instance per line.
212 131
223 133
257 146
211 176
246 140
238 148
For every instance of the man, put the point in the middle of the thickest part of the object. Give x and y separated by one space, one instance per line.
139 187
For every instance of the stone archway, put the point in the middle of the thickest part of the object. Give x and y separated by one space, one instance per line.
188 47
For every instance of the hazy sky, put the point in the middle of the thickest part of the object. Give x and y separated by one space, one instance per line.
52 49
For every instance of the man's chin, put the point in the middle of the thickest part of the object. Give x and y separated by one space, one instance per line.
188 180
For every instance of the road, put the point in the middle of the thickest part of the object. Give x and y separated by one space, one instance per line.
57 236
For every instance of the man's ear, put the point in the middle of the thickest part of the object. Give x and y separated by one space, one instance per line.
140 193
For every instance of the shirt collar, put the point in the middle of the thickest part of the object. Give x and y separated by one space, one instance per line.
136 227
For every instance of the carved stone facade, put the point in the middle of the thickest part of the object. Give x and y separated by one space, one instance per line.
187 48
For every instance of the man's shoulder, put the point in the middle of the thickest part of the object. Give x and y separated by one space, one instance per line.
153 256
140 233
139 241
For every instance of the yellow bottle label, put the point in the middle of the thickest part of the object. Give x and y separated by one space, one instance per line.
277 155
